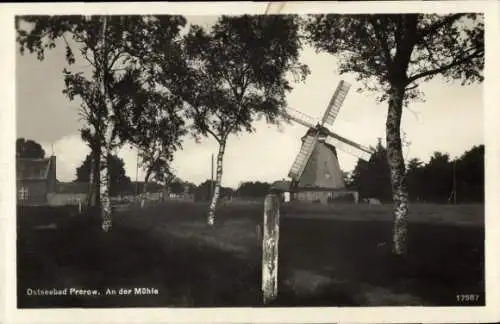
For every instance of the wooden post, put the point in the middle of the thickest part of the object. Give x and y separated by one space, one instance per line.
356 197
271 228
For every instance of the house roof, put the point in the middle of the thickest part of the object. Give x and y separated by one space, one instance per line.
32 169
282 185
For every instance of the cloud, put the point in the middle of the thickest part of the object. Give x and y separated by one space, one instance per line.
70 152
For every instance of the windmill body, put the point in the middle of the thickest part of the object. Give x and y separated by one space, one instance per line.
316 174
322 170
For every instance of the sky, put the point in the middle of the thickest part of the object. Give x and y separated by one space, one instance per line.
450 121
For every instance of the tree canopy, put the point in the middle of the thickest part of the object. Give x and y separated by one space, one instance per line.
231 75
372 178
26 148
253 189
431 182
111 46
119 181
152 123
404 49
235 72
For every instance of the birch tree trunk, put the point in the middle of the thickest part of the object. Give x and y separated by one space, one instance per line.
91 194
144 189
218 177
104 193
397 169
105 184
270 248
97 179
93 197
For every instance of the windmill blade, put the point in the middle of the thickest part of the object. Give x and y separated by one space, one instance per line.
349 147
335 103
304 154
274 7
299 117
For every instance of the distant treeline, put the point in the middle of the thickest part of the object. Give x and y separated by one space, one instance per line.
246 190
440 180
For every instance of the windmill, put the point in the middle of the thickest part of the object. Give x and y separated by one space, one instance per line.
315 172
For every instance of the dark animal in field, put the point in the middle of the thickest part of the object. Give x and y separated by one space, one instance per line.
373 201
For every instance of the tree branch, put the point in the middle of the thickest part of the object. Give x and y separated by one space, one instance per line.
412 87
431 29
214 135
115 58
443 68
382 41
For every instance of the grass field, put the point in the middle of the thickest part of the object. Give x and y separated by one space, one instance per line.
329 256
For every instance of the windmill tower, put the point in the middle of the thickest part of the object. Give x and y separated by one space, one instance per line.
316 174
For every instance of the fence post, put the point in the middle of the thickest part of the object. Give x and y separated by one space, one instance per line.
270 240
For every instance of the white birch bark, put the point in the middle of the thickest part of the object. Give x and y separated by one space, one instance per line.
91 194
218 178
270 248
105 182
144 190
397 168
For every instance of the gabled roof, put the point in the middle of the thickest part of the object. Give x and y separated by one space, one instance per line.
283 185
32 169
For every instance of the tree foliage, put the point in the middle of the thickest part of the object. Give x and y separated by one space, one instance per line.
111 47
231 75
177 187
235 72
119 181
127 37
253 189
26 148
404 49
372 178
152 123
431 182
204 191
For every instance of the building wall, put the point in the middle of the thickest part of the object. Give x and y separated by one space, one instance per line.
313 196
37 192
322 169
63 199
324 196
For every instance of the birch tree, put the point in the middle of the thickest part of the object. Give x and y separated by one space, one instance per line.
152 123
392 55
232 74
108 45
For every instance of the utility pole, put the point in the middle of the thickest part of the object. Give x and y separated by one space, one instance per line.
454 183
137 173
212 177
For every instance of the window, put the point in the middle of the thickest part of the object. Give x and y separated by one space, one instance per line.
23 193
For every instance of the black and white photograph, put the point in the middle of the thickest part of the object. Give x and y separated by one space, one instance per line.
271 159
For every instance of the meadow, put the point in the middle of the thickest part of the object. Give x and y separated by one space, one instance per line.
329 255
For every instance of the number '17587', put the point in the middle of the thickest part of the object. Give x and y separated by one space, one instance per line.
467 298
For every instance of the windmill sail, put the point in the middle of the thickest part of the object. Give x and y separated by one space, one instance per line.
334 106
349 147
300 117
301 160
